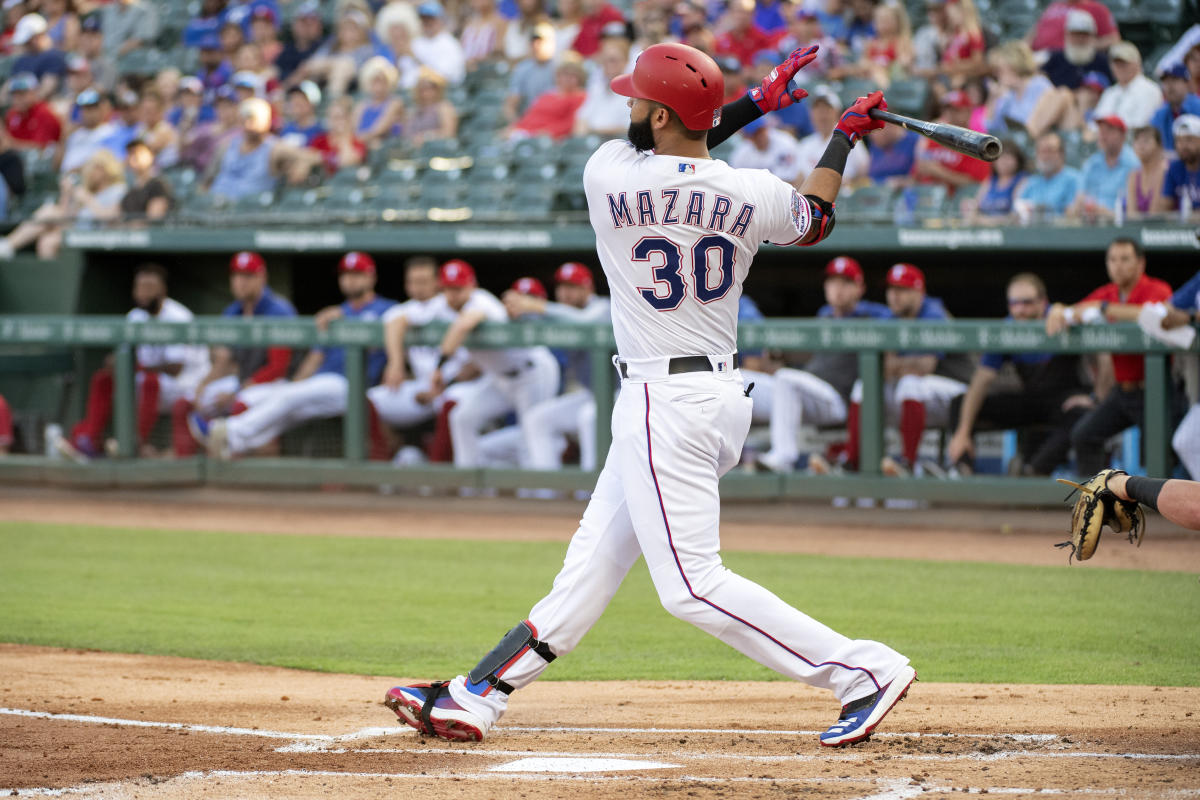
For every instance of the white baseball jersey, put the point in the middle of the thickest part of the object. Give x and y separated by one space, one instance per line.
781 156
423 359
676 237
490 360
193 358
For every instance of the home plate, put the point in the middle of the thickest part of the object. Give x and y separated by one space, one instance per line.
578 765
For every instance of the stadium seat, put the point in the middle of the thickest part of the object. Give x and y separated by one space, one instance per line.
532 201
868 204
929 200
911 97
350 176
488 199
854 88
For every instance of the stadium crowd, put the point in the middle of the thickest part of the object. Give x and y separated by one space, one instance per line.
211 104
532 407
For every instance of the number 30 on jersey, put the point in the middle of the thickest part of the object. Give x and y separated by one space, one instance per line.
711 267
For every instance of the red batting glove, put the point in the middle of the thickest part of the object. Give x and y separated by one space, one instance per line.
773 93
856 123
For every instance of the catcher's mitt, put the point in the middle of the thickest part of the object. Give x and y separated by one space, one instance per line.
1096 507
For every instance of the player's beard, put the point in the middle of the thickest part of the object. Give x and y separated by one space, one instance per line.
641 135
152 306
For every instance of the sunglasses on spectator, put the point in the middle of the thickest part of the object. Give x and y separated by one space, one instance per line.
1022 301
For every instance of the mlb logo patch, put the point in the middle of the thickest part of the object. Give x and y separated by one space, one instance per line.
687 169
721 366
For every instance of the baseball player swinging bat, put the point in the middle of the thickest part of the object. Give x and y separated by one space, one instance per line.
963 140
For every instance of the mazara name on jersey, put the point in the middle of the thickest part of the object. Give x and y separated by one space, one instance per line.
699 208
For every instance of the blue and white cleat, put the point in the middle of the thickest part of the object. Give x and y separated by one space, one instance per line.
860 718
198 426
430 709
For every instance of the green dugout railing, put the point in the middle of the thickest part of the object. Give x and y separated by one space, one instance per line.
869 339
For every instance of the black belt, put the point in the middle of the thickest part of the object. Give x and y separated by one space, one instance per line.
512 373
681 364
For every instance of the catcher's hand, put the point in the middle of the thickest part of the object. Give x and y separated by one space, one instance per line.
1096 507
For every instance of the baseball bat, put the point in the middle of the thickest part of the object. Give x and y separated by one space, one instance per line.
962 140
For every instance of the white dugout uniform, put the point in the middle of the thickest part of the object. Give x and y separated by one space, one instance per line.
514 379
399 407
544 425
676 237
193 358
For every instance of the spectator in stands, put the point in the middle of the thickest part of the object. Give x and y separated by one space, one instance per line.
249 60
12 173
825 109
153 128
190 109
318 388
740 37
94 132
860 26
893 153
604 111
532 76
165 373
1191 60
993 203
39 57
1134 97
888 56
804 28
207 23
1022 85
264 33
763 146
1145 182
566 23
963 56
251 160
6 427
1050 31
553 112
29 119
93 195
1121 392
232 37
1066 66
1049 400
378 116
128 25
125 120
200 143
937 164
436 47
1104 174
433 116
215 71
1177 100
930 40
301 123
338 145
518 35
336 62
79 77
307 34
483 35
62 23
247 85
149 197
240 376
819 394
596 14
1181 185
918 386
91 47
1053 187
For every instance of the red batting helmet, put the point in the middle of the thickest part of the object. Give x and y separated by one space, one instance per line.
530 286
355 261
682 78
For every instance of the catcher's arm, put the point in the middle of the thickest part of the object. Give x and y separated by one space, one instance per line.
1177 500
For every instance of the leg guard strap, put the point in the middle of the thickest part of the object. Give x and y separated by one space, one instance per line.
435 690
514 645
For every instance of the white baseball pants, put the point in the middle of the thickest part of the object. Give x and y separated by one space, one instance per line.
399 407
658 497
935 391
801 397
1186 441
493 396
544 425
285 406
252 394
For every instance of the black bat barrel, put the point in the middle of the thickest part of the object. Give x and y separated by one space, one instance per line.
983 146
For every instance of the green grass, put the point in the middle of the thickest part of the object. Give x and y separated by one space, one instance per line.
432 608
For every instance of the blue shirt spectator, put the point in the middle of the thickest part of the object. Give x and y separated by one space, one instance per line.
1062 72
1187 297
997 200
48 62
206 25
1180 181
1052 189
269 305
768 15
1165 117
866 309
335 357
242 174
1103 182
1018 105
892 157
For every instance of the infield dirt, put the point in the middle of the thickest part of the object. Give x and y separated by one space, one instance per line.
87 724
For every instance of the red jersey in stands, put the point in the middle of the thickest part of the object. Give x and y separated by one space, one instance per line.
1130 368
38 125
